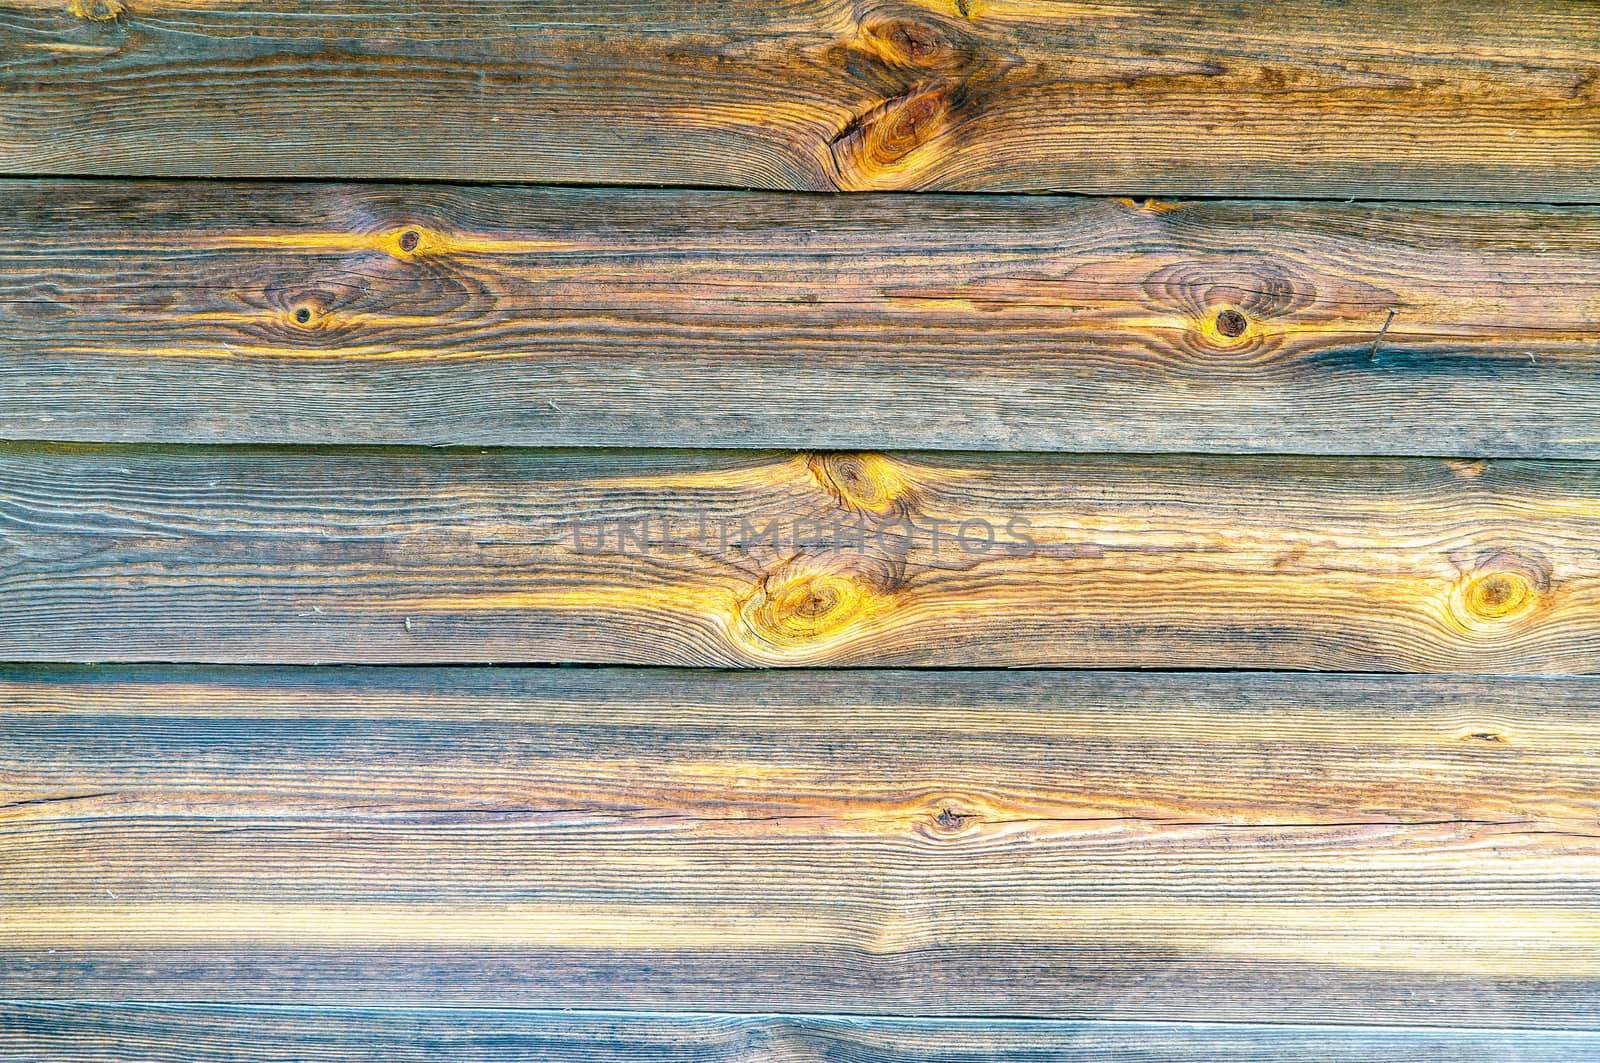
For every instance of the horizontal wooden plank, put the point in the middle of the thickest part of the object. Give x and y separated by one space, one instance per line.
493 316
1065 845
1414 99
210 1033
740 558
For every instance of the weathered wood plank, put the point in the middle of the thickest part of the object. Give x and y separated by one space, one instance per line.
741 558
208 1033
494 316
1090 845
1453 99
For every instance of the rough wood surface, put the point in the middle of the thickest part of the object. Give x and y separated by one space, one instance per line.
1453 99
80 1033
727 557
429 314
1065 845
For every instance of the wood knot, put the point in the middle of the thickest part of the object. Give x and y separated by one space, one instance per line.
886 135
307 318
1498 594
413 241
903 42
1501 587
1227 309
96 10
945 816
1465 468
1151 205
868 483
1231 323
804 607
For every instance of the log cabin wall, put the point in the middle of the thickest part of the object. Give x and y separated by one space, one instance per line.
870 530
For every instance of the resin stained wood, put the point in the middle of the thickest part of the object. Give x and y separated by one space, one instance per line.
494 316
495 566
733 558
1410 100
1180 847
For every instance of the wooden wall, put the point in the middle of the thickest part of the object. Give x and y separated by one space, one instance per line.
498 561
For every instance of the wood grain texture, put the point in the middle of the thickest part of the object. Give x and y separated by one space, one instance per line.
1411 99
493 316
79 1033
752 558
1065 845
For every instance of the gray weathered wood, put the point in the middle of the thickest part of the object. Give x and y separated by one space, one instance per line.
751 558
1061 845
209 1033
1398 98
428 314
